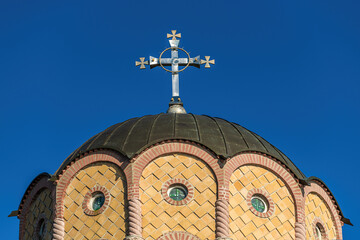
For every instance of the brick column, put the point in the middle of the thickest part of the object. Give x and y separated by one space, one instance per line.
300 231
58 229
222 212
135 218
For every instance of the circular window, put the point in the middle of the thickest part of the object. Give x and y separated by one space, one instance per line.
318 232
259 203
177 192
97 201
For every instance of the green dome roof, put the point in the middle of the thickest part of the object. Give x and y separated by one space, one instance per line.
224 138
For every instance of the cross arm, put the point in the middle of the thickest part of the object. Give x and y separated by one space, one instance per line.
195 61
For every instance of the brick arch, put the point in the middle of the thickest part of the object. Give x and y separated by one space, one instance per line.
265 162
317 189
136 168
178 235
41 185
70 172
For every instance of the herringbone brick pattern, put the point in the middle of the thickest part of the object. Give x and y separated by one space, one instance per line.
41 207
197 217
243 223
109 224
315 207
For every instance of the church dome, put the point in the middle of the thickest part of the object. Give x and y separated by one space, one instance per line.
222 137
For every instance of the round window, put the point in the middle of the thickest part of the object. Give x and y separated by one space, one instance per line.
97 201
177 192
259 203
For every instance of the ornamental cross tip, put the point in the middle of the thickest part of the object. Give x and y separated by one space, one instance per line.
174 35
174 62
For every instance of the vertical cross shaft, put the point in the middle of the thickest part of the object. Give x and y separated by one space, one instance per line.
175 74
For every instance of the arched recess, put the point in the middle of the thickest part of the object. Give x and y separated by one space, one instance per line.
178 235
140 162
317 190
270 164
153 168
39 187
106 157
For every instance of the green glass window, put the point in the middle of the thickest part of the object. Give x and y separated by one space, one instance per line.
41 231
177 193
98 201
258 203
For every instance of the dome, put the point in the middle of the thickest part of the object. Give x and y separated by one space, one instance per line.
222 137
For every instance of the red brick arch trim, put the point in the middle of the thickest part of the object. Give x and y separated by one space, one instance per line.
317 189
85 206
178 236
69 173
141 161
270 164
40 186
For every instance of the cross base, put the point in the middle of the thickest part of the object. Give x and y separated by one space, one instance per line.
176 105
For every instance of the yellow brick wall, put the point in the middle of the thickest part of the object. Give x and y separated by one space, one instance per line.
42 206
315 207
197 217
111 223
243 223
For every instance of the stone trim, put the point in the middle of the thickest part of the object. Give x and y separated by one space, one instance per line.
88 197
270 208
177 181
320 191
273 166
222 219
39 186
318 221
178 235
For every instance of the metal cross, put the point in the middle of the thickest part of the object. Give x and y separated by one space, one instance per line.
175 62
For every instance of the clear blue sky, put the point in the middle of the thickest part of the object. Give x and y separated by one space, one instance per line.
287 70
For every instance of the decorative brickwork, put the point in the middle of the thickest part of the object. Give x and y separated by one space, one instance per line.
279 170
39 184
140 162
40 208
178 236
68 174
88 197
175 181
222 219
244 224
197 217
324 205
111 223
317 211
271 207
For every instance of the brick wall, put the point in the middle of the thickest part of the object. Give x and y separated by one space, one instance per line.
246 225
40 208
197 217
111 223
315 207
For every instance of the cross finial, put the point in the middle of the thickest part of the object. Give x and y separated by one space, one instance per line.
174 35
207 61
173 65
142 63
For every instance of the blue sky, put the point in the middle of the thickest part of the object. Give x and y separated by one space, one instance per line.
287 70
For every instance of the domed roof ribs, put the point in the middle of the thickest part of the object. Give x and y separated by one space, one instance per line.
138 135
163 128
222 135
185 127
197 127
152 127
211 135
